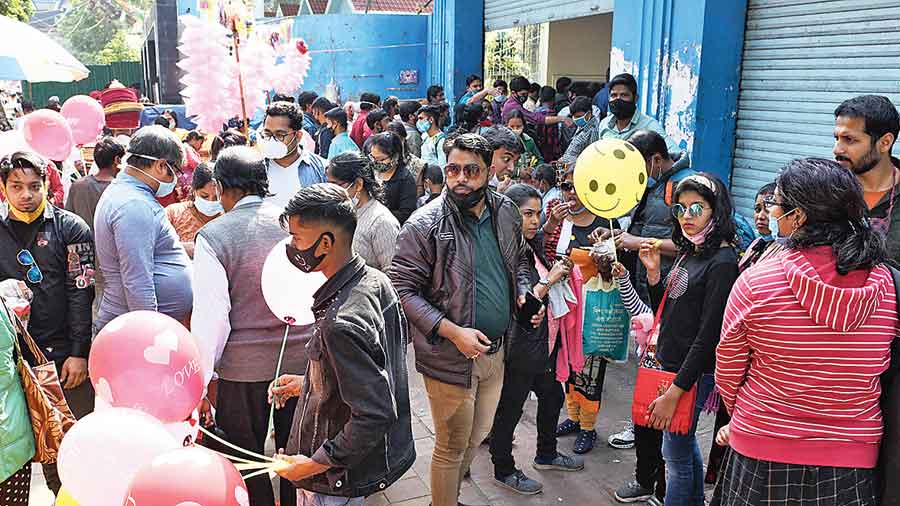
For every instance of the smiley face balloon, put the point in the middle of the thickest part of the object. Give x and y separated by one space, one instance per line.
610 178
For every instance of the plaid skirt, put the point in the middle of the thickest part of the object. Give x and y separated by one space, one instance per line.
744 481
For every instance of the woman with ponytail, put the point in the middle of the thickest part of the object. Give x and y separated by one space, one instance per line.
806 336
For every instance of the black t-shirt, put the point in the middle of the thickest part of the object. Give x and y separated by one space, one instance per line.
692 318
400 194
25 233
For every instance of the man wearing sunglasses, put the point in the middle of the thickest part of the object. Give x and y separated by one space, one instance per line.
144 265
461 271
52 251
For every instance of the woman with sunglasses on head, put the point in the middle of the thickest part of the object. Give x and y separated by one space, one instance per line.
376 230
584 388
806 338
691 301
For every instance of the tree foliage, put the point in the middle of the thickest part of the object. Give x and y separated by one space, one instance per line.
17 9
94 30
117 49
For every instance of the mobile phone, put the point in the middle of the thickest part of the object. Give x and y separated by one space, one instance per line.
529 309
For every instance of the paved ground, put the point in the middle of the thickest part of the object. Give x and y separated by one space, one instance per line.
605 467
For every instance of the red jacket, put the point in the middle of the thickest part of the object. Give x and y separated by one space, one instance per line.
799 361
360 130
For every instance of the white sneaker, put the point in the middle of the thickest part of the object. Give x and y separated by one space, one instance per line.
623 440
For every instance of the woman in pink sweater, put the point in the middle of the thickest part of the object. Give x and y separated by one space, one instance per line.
805 337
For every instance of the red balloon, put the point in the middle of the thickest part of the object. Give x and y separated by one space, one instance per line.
147 361
48 133
85 116
190 476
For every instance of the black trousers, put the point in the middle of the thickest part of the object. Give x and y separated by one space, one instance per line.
81 401
649 468
516 386
242 412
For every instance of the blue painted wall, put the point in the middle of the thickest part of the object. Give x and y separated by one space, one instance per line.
365 53
686 57
455 44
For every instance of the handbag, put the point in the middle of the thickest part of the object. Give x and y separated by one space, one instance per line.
47 406
652 382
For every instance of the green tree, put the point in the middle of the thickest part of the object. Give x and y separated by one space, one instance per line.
17 9
117 49
502 56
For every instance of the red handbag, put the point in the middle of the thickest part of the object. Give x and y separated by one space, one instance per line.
652 382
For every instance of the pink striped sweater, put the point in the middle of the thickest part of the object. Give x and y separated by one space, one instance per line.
799 361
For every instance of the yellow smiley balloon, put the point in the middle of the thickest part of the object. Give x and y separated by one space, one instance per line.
64 499
610 178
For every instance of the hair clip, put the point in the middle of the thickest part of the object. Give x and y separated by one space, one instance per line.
702 180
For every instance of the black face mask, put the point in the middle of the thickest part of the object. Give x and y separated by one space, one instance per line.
521 99
622 109
469 201
306 259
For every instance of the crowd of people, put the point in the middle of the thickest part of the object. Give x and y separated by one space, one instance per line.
459 230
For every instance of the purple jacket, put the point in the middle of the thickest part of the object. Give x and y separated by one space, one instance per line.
512 104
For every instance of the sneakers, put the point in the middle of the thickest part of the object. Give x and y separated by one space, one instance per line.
567 427
623 440
633 492
585 442
562 462
519 483
655 501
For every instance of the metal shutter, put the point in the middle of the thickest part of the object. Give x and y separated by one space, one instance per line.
801 59
499 14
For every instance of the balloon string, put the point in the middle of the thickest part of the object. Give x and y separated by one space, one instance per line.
248 466
615 252
287 329
235 447
270 468
237 459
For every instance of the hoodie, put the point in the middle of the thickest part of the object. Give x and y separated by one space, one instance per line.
800 356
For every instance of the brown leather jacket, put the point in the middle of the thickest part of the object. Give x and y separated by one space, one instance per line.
434 276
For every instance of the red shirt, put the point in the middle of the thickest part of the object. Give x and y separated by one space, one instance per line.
360 131
800 357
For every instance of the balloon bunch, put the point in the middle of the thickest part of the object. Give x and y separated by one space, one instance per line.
53 134
135 448
295 62
209 70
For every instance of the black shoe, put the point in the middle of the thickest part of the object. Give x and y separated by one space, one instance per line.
633 492
567 427
584 442
519 483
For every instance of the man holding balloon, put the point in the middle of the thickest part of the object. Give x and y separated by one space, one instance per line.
352 435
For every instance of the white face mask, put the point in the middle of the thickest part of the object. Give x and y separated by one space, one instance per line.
274 149
208 207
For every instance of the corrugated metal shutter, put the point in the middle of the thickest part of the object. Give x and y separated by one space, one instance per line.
499 14
801 59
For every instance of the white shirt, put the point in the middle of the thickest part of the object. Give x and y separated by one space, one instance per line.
283 181
210 322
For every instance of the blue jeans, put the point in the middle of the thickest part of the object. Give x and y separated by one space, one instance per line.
306 498
684 462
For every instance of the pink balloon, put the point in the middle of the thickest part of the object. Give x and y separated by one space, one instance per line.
85 116
147 361
188 476
288 290
12 141
48 133
102 452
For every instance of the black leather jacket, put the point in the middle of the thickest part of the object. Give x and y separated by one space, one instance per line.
353 413
433 273
64 251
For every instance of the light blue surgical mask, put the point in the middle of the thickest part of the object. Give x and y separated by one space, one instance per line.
423 126
208 207
580 122
773 227
164 189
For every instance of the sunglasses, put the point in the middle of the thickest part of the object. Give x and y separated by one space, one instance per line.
471 170
26 259
692 211
566 186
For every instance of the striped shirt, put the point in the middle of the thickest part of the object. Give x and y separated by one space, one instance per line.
800 356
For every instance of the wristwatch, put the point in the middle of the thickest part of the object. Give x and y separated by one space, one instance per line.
545 282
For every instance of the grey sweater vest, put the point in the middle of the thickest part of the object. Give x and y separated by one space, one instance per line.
241 240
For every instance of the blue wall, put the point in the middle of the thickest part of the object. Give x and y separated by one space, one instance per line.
365 53
686 56
455 44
